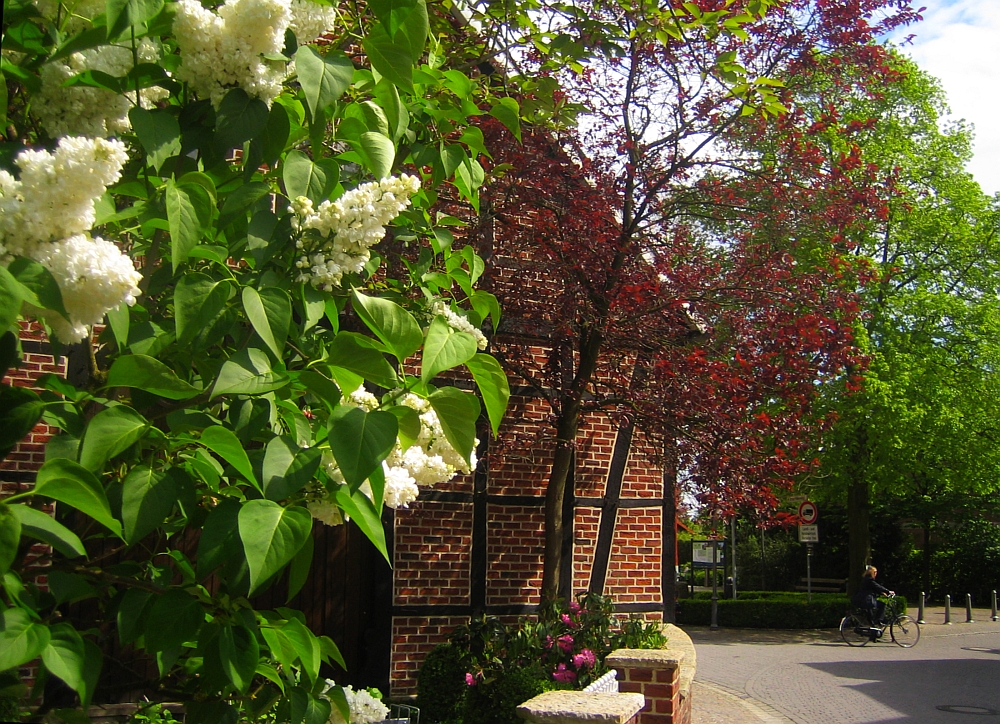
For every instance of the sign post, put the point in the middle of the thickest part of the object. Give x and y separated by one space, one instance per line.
808 534
715 585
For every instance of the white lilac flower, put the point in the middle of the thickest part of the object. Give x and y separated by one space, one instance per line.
45 216
456 321
365 708
310 20
86 111
93 276
400 488
225 49
336 236
55 195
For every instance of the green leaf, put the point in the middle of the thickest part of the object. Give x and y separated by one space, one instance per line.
271 536
409 425
120 322
198 300
457 412
110 432
84 40
122 14
240 200
158 132
38 285
69 587
224 443
305 644
493 386
21 639
149 374
393 61
20 411
132 613
275 136
65 656
445 348
286 469
360 441
324 78
298 571
270 313
302 177
508 112
148 497
44 527
219 541
248 372
174 618
339 699
378 152
71 483
354 352
322 387
93 661
392 324
317 710
10 536
189 214
239 119
10 299
239 654
365 515
209 712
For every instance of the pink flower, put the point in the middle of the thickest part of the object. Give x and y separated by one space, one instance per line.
565 643
584 660
470 680
574 607
563 674
548 642
568 621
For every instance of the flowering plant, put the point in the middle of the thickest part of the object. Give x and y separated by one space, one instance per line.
236 218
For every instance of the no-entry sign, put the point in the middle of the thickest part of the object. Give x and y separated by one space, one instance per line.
808 512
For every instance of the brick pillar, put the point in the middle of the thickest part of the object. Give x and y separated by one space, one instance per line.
656 674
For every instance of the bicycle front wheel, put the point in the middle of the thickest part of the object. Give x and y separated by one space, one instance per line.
905 631
854 630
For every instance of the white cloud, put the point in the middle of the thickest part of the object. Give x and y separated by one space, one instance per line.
959 43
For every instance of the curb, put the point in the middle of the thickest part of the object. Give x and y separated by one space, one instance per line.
761 713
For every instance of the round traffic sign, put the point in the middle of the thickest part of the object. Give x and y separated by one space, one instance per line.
808 512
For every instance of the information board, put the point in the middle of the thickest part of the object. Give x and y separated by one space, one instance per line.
701 553
808 534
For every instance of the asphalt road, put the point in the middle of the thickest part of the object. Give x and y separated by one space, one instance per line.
812 677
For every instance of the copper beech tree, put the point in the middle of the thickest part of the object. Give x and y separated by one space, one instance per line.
692 247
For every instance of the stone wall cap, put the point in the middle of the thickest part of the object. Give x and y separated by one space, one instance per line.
573 707
646 658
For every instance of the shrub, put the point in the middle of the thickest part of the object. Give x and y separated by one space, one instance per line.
769 609
441 684
11 693
495 701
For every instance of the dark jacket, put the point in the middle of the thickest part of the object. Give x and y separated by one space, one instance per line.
870 590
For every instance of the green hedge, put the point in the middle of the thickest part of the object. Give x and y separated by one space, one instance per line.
768 609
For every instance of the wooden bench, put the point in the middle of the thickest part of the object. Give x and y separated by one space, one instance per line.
824 585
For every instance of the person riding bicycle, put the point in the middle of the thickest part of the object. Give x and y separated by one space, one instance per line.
867 597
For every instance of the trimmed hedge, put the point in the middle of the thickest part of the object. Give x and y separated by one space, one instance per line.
768 609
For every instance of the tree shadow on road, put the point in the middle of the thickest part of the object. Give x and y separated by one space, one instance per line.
704 635
915 689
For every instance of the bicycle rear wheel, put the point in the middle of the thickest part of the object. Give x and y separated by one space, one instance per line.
905 631
854 630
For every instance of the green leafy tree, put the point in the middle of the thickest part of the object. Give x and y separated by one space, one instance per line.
232 239
915 425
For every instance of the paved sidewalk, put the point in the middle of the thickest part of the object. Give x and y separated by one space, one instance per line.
761 676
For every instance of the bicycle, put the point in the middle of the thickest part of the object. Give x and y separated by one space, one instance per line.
903 630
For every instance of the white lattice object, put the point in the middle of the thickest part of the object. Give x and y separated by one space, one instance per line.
607 684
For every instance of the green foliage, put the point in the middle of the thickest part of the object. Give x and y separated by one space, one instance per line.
769 609
441 684
495 701
967 561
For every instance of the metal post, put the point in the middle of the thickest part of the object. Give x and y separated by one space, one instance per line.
968 608
994 616
732 552
715 584
947 610
920 610
809 575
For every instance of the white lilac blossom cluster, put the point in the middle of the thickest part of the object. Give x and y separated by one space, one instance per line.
430 460
45 215
365 708
441 308
336 236
240 44
86 111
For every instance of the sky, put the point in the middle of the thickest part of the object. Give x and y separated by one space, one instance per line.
959 42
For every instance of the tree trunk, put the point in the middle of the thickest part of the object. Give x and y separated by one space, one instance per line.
668 526
928 527
859 537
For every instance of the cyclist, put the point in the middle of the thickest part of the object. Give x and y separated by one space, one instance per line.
867 597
